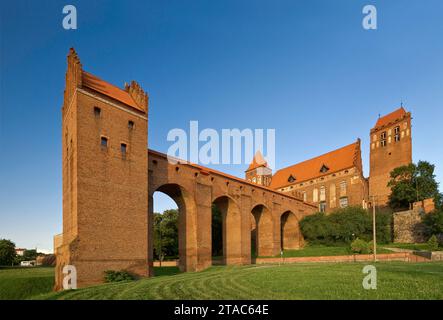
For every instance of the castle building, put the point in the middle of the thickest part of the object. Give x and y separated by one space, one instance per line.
335 179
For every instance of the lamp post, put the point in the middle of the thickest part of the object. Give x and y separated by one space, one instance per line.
374 236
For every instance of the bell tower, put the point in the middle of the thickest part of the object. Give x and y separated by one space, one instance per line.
390 147
258 171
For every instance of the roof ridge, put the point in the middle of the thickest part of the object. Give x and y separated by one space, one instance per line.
317 157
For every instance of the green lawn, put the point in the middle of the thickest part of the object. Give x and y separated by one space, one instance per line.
22 283
410 246
396 280
320 250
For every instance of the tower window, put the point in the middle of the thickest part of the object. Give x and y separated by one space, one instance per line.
383 139
97 111
397 133
123 148
104 142
131 124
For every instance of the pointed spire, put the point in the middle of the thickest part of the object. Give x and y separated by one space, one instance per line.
257 161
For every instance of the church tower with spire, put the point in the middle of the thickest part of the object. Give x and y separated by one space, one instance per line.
258 171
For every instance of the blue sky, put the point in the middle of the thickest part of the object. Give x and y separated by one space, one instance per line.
305 68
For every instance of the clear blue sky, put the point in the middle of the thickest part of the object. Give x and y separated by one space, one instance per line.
306 68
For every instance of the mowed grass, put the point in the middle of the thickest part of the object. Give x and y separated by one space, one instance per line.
396 280
411 246
23 283
321 250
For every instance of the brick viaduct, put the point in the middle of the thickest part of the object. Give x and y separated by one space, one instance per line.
108 192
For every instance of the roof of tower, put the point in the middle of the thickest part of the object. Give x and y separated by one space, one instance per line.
257 161
390 117
334 161
93 82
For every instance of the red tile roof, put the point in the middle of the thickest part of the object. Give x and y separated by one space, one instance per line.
258 161
92 82
391 117
337 160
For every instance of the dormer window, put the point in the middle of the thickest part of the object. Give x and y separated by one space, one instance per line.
291 178
324 169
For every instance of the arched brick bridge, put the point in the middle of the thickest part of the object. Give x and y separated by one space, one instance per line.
248 211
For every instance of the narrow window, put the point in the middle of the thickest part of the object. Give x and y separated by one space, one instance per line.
343 188
383 139
322 193
123 148
104 142
97 111
322 206
130 124
397 134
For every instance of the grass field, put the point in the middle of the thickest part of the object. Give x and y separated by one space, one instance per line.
320 250
411 246
23 283
396 280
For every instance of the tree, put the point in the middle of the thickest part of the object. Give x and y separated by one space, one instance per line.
166 233
30 255
7 252
411 183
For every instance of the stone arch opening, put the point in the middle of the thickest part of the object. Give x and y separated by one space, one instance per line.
289 231
226 214
262 231
185 225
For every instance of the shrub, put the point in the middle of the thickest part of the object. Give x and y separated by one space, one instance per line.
360 246
344 225
117 276
433 243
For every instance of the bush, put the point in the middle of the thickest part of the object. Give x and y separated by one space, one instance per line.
360 246
344 225
117 276
433 243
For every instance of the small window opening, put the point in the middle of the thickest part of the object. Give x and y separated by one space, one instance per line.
123 148
97 111
131 124
104 142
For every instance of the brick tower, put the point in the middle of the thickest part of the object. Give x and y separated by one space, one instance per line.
391 147
105 178
258 171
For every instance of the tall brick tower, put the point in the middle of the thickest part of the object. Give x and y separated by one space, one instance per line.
258 171
391 147
105 178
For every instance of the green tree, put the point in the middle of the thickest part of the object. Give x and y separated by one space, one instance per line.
30 255
411 183
434 222
7 252
166 234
